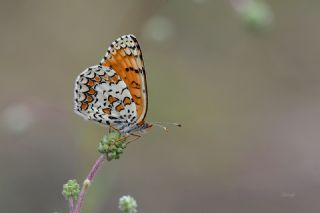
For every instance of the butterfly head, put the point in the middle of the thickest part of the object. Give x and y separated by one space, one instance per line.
142 127
147 125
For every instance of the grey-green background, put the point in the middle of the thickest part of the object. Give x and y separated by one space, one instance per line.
249 103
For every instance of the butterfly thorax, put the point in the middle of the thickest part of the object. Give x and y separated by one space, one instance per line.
140 127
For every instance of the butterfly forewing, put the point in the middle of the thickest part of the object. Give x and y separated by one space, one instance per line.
124 56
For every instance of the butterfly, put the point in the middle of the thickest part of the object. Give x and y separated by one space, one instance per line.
114 93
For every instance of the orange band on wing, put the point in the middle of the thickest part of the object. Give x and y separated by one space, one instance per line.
127 62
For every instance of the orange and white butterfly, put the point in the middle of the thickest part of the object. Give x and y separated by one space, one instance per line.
114 93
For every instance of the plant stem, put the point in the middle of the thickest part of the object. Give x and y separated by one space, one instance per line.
88 180
71 205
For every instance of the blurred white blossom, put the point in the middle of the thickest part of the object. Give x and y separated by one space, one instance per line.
199 1
17 118
158 28
288 194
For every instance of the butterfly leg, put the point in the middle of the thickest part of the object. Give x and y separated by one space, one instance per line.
136 137
112 128
123 138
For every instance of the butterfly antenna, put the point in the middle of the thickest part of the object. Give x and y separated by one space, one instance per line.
159 124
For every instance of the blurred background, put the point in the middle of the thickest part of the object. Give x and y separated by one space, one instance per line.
241 76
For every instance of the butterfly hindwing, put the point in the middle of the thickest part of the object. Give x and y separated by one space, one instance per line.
101 95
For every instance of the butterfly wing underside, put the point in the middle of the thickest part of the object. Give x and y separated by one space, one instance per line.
103 97
124 56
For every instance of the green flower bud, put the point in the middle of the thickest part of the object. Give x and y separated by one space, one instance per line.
100 147
71 189
112 145
111 155
106 147
105 139
257 15
127 204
